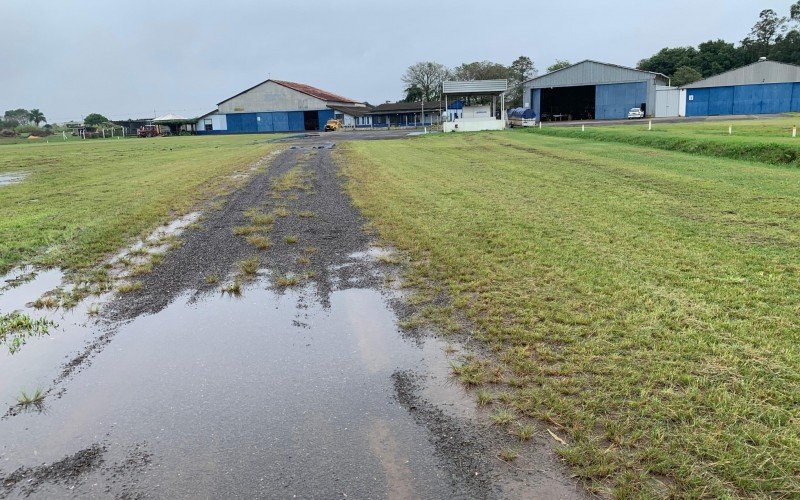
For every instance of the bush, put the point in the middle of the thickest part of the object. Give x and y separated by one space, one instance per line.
7 132
27 129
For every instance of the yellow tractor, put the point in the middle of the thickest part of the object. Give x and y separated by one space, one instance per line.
333 125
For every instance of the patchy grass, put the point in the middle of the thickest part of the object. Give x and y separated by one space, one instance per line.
259 241
288 280
524 431
303 260
16 328
249 266
86 199
643 302
212 279
129 287
291 239
246 230
502 416
306 214
281 212
508 454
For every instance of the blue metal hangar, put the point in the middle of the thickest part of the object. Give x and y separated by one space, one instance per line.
763 87
592 90
274 106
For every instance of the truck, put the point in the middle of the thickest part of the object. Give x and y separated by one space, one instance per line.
333 125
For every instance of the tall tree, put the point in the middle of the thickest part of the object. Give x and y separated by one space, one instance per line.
667 60
684 75
768 27
427 77
716 56
521 70
36 117
559 64
413 94
18 116
480 70
94 119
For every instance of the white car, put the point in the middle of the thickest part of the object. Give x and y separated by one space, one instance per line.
635 113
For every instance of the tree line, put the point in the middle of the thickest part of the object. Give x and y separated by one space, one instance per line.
773 36
423 80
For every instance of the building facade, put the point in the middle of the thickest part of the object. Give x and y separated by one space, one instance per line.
274 106
592 90
764 87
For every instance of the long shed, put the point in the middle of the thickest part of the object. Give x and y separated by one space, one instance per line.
764 87
592 90
274 106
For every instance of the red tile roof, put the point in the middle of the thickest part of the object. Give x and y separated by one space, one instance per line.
303 88
314 92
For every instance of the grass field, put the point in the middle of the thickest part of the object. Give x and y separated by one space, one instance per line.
765 140
84 199
642 303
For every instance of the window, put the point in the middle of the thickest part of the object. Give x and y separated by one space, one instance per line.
207 124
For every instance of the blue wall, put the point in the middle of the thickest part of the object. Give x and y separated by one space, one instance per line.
755 99
615 100
280 121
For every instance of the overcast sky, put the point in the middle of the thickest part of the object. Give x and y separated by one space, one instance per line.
134 58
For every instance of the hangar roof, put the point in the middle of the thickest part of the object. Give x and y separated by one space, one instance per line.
591 72
475 87
323 95
757 72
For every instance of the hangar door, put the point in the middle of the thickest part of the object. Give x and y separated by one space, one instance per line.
613 101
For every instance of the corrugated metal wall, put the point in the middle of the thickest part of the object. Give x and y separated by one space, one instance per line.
615 100
536 102
323 117
755 99
668 101
292 121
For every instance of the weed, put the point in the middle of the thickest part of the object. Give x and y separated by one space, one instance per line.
93 309
288 280
140 269
484 397
246 230
524 431
129 286
49 301
281 212
303 260
291 239
34 398
310 250
234 287
502 416
212 279
259 241
306 214
16 328
249 266
137 252
508 454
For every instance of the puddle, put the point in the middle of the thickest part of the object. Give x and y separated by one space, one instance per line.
9 178
267 394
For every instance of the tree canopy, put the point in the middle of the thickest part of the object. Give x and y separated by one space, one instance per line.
773 36
559 64
425 79
94 119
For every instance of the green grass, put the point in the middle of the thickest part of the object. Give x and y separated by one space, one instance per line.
641 302
17 328
249 266
34 398
85 199
766 140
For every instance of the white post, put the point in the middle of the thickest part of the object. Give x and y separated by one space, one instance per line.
112 131
540 122
794 131
104 133
650 125
64 134
730 129
583 128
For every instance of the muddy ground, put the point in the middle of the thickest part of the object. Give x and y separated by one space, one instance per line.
300 384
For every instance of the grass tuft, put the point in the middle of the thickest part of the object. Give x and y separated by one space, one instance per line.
287 280
249 266
259 241
34 398
291 239
129 286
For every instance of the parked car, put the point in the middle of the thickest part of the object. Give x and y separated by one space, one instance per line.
635 113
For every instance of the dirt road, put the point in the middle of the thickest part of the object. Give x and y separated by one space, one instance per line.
299 384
